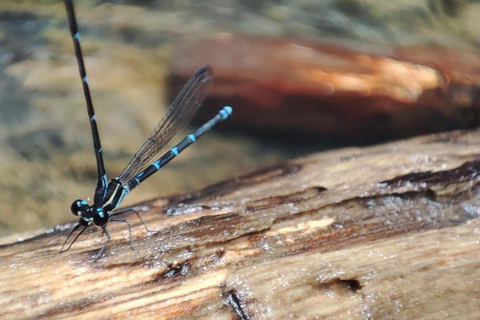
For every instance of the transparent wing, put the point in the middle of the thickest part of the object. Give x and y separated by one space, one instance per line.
175 119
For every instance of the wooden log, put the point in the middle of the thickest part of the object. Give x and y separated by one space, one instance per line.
384 232
307 88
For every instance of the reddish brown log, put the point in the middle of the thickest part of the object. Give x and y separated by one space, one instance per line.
299 86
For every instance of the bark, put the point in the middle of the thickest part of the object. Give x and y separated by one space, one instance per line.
384 232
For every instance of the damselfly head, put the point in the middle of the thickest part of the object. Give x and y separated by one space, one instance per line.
89 214
78 206
81 209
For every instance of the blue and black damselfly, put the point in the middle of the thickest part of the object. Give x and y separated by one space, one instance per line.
109 195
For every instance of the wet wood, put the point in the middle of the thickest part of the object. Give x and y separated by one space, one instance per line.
390 231
304 87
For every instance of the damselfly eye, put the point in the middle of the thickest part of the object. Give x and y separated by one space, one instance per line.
77 206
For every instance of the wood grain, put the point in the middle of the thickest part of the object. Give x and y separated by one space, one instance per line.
384 232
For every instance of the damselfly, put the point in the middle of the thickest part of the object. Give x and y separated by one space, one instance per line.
109 195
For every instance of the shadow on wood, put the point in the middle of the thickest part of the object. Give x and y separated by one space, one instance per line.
389 231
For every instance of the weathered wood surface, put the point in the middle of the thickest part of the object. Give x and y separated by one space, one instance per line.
385 232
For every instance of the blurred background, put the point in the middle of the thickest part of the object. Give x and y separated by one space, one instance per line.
302 76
